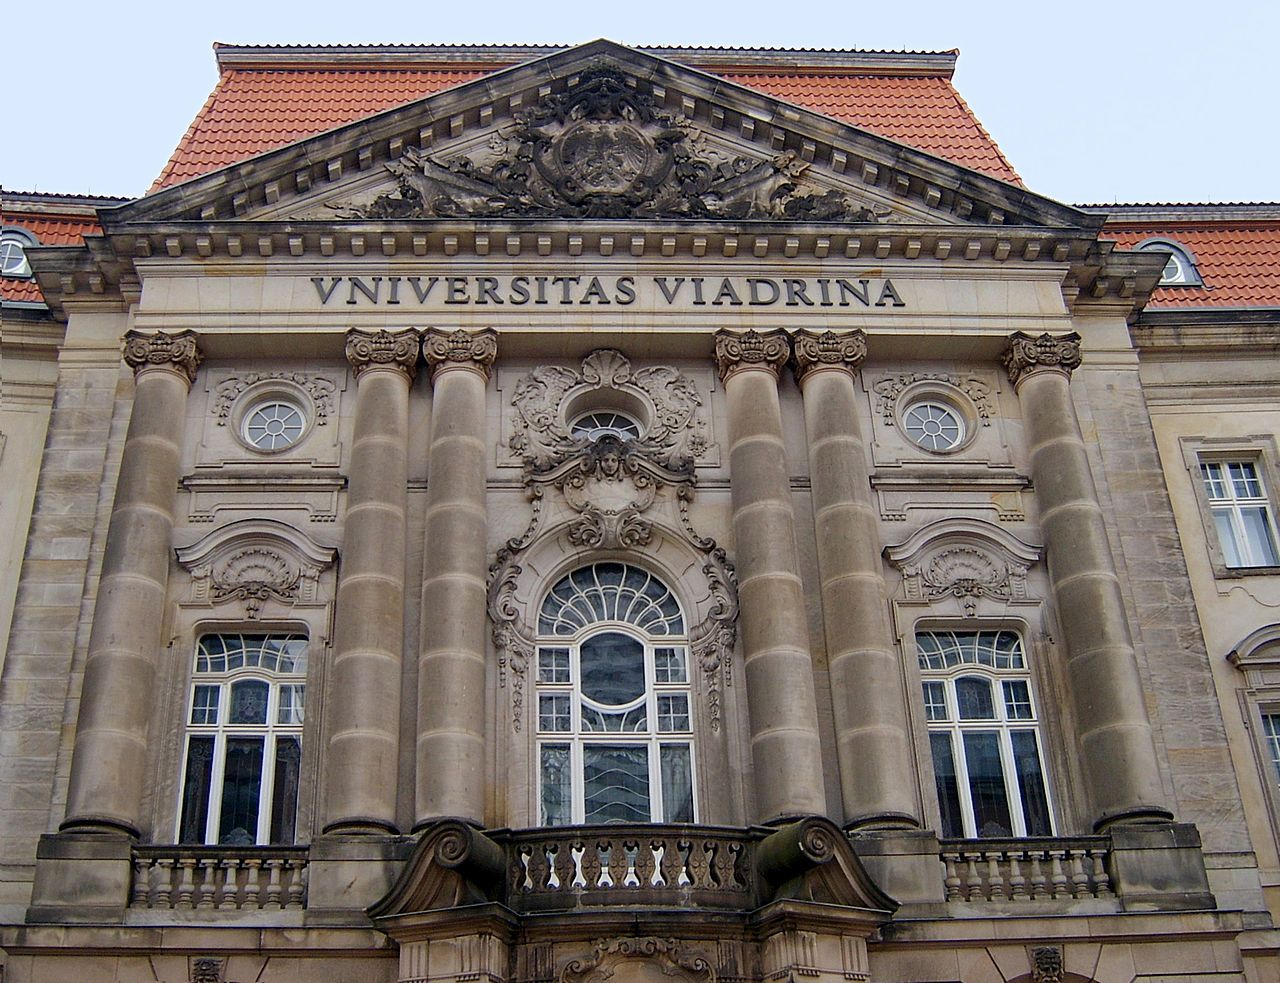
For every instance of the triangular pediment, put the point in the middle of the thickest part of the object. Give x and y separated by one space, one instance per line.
600 131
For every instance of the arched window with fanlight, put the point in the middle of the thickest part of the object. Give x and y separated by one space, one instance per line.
615 715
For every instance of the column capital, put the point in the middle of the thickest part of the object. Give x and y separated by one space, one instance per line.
737 350
1027 353
843 350
383 349
474 350
177 352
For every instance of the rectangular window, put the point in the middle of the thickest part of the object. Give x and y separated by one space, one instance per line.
1242 514
1271 728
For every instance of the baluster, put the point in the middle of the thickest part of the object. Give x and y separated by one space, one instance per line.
230 884
563 865
297 883
591 864
644 864
1017 883
1038 880
698 872
673 863
273 884
141 893
975 879
208 883
952 880
607 854
995 878
521 879
1101 879
1058 876
186 882
1079 876
722 867
658 850
252 884
162 878
577 880
630 848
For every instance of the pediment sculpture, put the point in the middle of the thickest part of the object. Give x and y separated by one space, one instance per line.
602 149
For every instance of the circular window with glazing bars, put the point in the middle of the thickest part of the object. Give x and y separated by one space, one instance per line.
934 425
600 423
273 424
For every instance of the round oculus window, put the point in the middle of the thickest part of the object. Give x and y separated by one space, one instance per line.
600 423
273 425
933 425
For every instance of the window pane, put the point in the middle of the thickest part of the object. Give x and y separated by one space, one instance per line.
195 790
241 792
1271 727
974 700
557 785
1035 804
284 792
1257 533
673 714
292 704
986 784
612 669
633 721
1215 484
1017 700
249 702
677 784
1244 479
204 705
554 713
616 783
553 665
670 665
1231 554
944 777
935 701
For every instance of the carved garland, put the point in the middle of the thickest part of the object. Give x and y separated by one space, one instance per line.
891 389
320 389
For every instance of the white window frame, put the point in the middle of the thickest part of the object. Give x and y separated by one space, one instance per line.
578 738
220 731
1000 723
25 240
1258 450
1222 479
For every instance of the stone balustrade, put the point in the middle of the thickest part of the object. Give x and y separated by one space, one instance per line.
219 878
1032 869
624 865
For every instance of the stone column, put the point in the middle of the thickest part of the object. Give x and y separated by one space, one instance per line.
878 778
785 746
451 667
1119 758
111 756
368 647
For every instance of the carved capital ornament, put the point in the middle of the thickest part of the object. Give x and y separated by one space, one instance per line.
737 350
1028 354
383 349
473 350
827 349
177 352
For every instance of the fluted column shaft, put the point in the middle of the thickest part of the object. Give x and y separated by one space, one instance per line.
451 668
785 745
878 779
109 762
1119 759
361 764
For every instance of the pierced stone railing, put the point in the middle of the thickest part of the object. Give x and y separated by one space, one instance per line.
1036 869
616 865
211 878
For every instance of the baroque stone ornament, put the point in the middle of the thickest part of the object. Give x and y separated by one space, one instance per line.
163 350
320 389
1030 353
604 149
207 969
1047 964
677 431
640 960
475 350
370 349
889 391
737 350
816 350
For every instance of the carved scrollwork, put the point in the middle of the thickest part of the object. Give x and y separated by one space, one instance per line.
814 350
736 350
256 574
889 391
1030 353
163 350
605 149
367 349
669 958
320 389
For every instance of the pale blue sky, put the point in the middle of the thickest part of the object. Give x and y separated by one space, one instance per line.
1091 101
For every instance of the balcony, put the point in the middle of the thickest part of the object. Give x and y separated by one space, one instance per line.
217 878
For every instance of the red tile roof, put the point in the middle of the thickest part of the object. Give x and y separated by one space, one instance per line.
252 110
50 229
1239 262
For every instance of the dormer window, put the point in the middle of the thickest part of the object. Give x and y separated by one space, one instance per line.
13 253
1180 271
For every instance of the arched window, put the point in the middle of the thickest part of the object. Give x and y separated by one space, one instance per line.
615 725
984 734
244 739
1180 270
14 244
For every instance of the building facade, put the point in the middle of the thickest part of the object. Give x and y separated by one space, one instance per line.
616 512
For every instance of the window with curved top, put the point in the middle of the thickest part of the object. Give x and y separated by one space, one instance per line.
600 423
1180 270
984 734
13 253
244 740
615 716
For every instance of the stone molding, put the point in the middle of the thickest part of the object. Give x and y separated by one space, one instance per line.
177 352
670 958
844 350
1027 354
383 349
473 350
319 388
751 349
889 391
